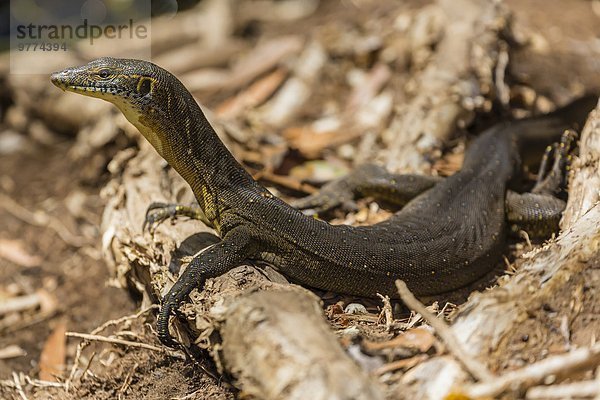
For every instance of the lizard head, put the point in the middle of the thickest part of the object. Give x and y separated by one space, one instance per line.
144 92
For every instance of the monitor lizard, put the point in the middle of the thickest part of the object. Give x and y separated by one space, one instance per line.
449 233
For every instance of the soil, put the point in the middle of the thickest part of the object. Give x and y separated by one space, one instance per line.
44 178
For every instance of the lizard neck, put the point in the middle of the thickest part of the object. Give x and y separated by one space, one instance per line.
191 146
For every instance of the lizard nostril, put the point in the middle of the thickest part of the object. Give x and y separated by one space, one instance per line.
55 77
59 78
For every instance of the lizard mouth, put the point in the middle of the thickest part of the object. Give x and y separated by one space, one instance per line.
63 81
79 89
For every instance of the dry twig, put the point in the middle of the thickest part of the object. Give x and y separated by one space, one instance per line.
21 303
475 368
386 312
18 386
128 343
99 329
127 382
12 351
42 383
10 383
14 251
404 363
565 391
87 365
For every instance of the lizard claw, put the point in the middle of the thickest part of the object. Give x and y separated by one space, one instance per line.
162 325
337 193
156 213
551 179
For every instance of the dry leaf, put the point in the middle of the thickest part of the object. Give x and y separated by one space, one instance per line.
308 141
449 164
253 96
52 359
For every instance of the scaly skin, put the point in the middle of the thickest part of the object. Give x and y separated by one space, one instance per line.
443 239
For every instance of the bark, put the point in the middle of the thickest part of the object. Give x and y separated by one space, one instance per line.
271 350
454 81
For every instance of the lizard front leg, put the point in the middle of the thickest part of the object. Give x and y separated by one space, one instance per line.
236 246
158 212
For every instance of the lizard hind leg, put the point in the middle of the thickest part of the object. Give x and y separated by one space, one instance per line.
552 179
539 211
367 180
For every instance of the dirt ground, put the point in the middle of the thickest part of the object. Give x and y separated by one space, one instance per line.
71 273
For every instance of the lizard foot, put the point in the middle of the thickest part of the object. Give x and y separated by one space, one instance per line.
341 192
367 180
170 308
156 213
551 179
159 212
162 325
335 194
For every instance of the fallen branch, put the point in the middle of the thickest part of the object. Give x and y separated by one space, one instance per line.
564 365
565 391
309 361
454 81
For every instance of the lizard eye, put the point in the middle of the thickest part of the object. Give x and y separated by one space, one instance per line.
144 86
104 73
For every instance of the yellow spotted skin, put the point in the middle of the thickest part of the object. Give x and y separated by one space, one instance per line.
447 236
